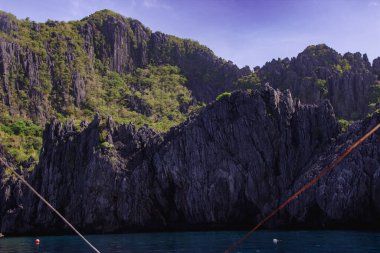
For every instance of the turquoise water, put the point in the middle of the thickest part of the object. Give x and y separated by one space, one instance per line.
292 241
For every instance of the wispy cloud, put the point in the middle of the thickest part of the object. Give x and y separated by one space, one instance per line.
156 4
373 4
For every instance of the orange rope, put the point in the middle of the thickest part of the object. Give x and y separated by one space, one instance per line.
305 187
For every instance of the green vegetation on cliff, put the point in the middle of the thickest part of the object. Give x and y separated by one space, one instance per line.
114 66
73 70
322 85
249 81
156 96
344 124
21 138
375 94
223 96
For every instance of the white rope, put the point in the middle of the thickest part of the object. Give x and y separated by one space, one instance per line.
49 205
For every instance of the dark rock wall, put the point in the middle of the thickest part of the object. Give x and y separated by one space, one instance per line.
348 195
11 194
225 168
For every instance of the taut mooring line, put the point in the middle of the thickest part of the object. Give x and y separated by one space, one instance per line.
48 204
305 187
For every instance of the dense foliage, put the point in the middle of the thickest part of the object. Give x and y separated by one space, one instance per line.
156 96
249 81
21 138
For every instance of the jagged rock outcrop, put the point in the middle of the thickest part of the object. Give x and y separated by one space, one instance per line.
348 196
120 41
249 149
224 168
319 72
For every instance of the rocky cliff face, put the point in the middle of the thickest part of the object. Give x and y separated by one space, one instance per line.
11 193
226 167
53 68
126 44
319 72
33 82
348 195
208 75
120 43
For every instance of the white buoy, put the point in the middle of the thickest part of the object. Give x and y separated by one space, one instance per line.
276 241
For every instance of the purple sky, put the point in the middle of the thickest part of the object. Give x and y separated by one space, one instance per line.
245 32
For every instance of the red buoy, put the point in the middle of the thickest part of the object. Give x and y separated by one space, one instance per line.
37 241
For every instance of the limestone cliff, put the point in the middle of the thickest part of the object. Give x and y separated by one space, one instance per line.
224 168
56 68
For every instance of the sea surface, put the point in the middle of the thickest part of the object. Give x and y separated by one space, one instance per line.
261 241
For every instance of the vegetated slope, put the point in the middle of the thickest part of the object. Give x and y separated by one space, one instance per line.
113 65
348 81
227 167
105 63
57 67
